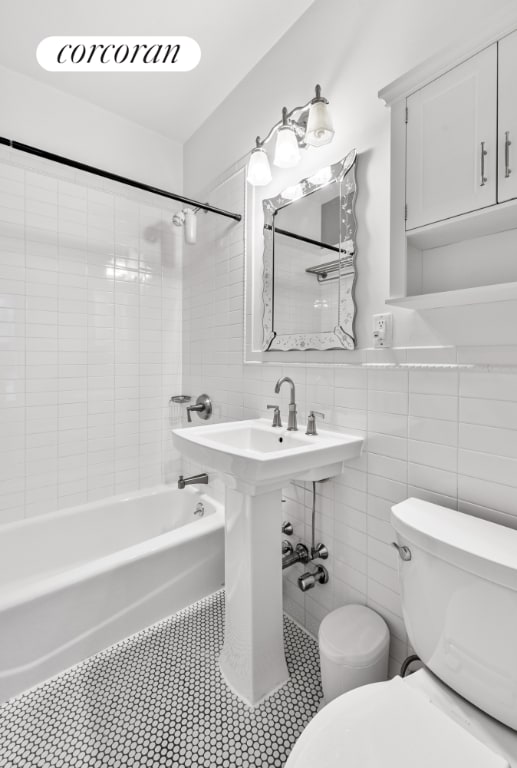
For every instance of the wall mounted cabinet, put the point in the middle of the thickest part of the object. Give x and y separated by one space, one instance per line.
453 188
451 142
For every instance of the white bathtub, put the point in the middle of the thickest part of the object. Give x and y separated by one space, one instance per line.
78 580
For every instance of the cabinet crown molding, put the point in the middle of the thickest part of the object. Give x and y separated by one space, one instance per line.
494 29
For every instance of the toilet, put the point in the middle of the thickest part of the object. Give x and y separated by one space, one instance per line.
458 577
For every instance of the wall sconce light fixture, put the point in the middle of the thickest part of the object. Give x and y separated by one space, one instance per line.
308 125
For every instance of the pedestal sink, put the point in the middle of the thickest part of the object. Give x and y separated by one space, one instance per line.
255 461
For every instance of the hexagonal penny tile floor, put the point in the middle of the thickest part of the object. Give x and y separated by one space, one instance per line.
158 699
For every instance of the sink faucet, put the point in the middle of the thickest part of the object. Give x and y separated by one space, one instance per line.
291 424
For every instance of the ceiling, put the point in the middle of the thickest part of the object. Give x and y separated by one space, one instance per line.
233 35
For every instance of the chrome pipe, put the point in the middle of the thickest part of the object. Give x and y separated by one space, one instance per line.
300 555
318 551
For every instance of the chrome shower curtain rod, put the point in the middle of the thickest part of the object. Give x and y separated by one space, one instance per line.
115 177
304 239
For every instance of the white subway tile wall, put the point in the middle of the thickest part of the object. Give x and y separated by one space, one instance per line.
90 337
444 434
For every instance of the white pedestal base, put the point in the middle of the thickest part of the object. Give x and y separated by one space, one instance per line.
252 660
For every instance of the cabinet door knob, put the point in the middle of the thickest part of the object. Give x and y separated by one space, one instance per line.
507 145
484 153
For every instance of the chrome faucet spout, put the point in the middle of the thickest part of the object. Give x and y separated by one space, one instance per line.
286 380
292 423
184 481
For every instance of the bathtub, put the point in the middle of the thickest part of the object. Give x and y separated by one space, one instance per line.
75 581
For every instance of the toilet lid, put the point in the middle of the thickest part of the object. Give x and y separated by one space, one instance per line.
388 725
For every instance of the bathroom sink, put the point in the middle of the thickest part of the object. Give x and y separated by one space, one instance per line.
255 460
256 453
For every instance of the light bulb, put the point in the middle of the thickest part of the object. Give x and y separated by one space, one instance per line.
319 124
259 172
287 151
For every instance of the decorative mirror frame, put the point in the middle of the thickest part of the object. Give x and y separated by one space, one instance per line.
338 338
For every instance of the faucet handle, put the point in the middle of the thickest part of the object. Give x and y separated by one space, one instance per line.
203 408
311 422
277 421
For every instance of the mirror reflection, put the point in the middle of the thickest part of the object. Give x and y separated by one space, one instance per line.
309 262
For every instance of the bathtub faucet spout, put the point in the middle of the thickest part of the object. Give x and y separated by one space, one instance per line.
183 481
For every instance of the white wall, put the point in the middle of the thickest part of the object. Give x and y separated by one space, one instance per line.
90 349
90 337
49 119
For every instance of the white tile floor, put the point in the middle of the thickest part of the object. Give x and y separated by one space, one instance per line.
158 699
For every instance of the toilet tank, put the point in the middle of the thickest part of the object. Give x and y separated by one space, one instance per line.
459 601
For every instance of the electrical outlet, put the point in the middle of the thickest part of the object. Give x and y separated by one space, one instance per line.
382 330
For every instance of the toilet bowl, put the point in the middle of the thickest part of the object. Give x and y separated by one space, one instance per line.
416 722
458 580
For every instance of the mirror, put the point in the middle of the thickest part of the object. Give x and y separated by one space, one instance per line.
309 262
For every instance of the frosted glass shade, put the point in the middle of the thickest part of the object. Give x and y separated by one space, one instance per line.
259 172
287 151
319 125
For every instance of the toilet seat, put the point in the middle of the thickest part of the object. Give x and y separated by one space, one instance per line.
388 725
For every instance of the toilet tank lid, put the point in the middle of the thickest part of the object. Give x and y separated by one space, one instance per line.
486 549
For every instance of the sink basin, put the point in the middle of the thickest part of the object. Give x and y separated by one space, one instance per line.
256 453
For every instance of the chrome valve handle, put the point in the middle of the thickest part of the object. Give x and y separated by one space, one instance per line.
277 421
404 552
203 408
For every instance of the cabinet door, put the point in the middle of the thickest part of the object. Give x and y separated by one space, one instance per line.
507 177
451 142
